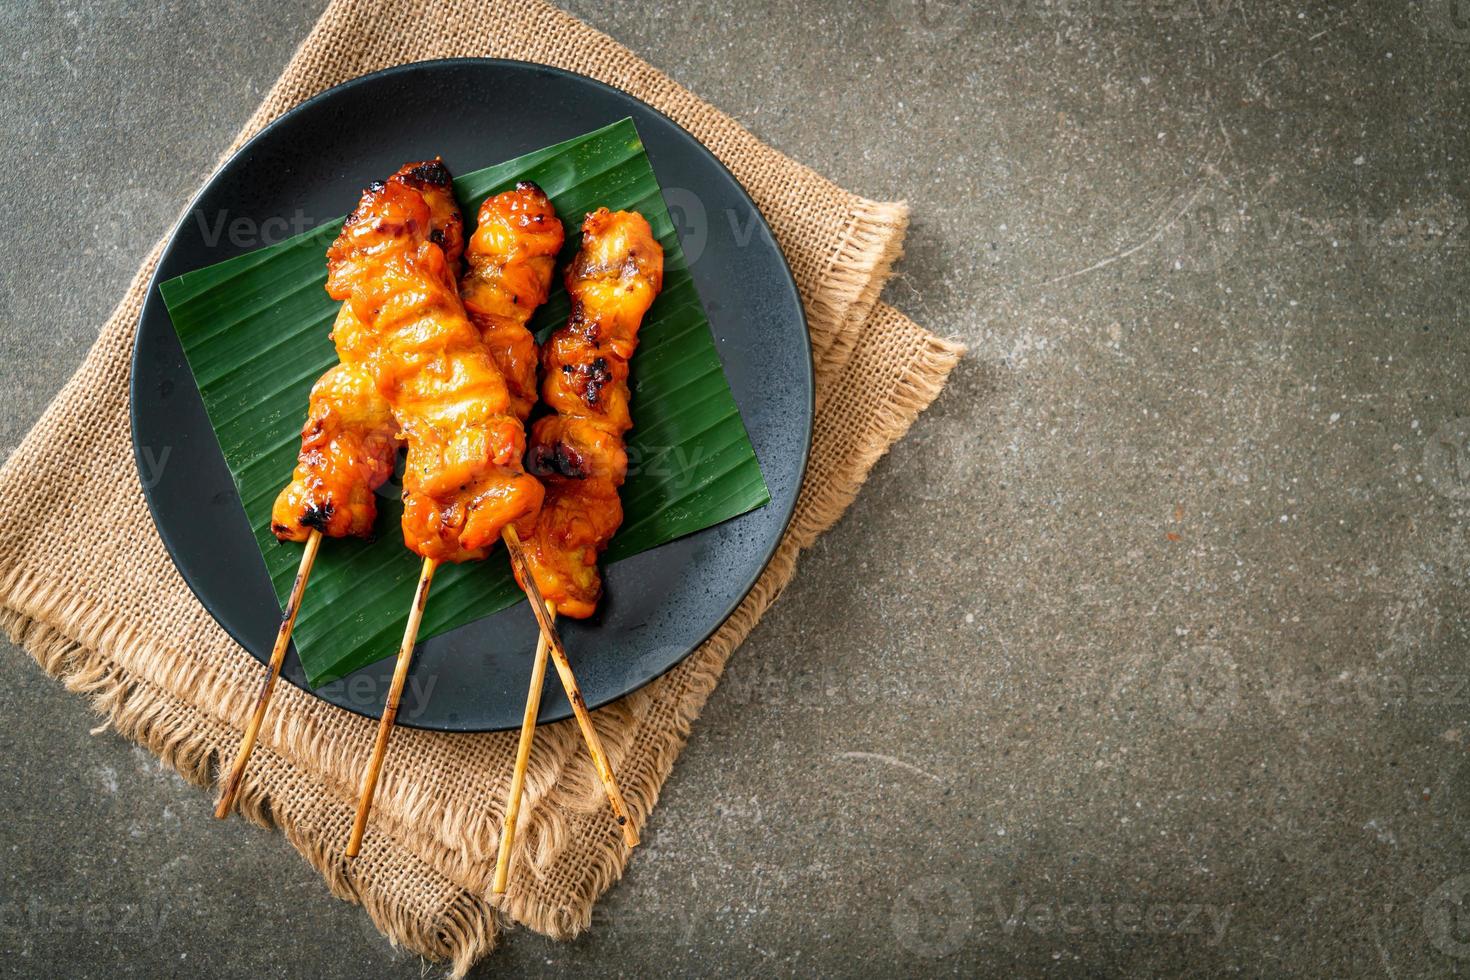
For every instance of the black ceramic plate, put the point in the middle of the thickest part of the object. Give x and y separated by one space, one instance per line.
308 167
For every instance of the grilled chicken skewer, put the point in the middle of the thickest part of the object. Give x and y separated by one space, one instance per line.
348 446
579 453
351 436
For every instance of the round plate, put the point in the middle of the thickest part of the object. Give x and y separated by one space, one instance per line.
308 167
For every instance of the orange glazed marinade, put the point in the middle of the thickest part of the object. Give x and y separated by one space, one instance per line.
509 263
404 323
579 451
349 441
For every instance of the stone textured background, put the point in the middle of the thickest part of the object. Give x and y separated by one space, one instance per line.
1145 652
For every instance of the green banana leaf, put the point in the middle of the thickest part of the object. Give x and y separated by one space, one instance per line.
255 332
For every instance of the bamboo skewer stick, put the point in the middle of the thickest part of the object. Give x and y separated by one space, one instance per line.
569 683
278 657
523 756
390 709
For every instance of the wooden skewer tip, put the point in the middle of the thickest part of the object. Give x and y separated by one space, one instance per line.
573 690
523 758
390 709
262 699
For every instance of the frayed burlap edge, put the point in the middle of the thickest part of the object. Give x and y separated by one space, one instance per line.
157 706
861 266
184 739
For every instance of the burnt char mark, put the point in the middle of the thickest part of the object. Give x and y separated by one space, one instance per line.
289 612
437 237
598 377
558 459
588 328
235 776
588 379
432 173
280 530
317 516
357 212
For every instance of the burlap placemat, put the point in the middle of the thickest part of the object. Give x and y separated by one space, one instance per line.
91 592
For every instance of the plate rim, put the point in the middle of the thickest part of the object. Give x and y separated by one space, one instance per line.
152 295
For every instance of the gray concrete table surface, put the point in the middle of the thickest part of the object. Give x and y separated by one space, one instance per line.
1143 653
